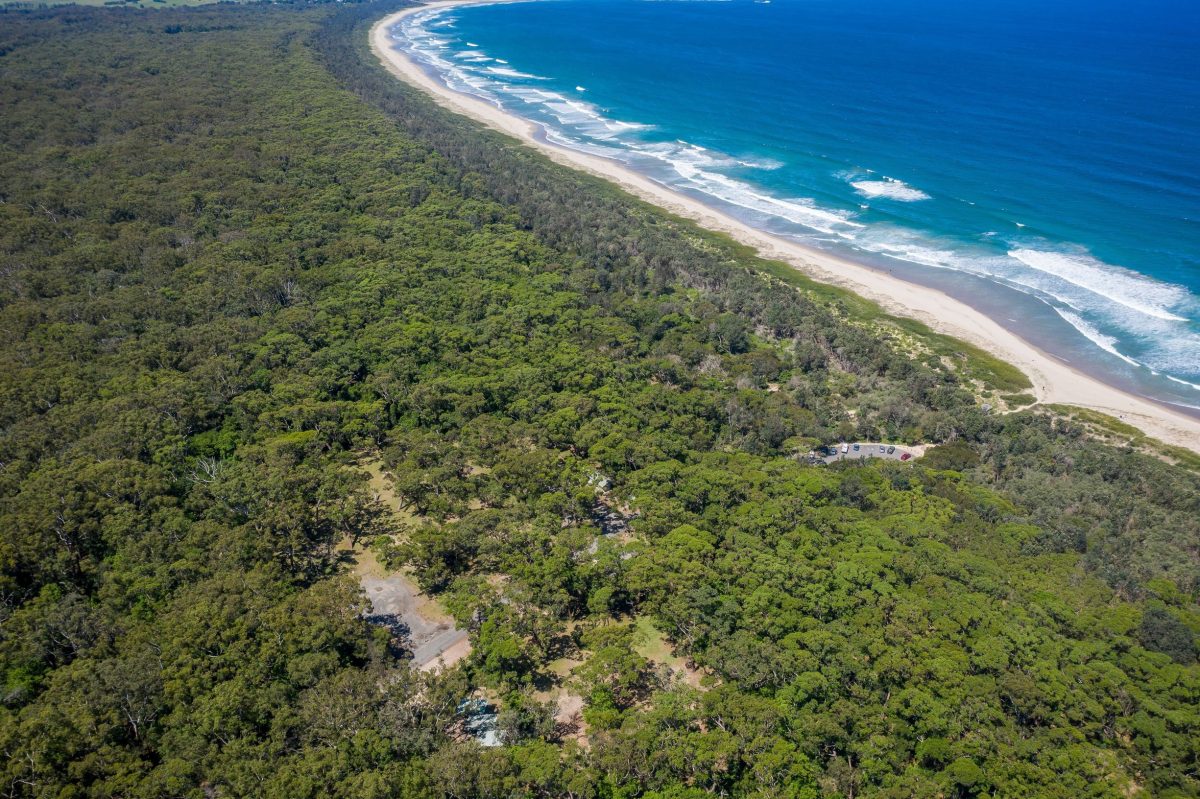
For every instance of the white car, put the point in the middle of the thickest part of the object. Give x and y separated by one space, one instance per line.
845 448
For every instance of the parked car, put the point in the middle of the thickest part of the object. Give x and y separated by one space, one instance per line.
891 450
882 448
906 456
856 447
845 448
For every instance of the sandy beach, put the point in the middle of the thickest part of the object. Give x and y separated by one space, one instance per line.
1053 381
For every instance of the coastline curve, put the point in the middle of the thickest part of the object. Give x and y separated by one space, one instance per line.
1054 382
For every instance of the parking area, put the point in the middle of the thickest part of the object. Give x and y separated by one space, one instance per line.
861 450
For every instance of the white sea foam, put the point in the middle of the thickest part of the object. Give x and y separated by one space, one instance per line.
581 115
505 72
1122 286
910 246
1185 383
530 94
799 210
889 188
766 164
1172 349
1106 343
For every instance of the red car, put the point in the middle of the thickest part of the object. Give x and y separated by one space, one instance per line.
906 456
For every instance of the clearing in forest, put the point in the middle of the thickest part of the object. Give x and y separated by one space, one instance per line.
417 621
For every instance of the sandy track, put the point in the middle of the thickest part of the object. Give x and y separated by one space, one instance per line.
397 604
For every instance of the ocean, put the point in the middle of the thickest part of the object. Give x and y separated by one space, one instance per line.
1038 160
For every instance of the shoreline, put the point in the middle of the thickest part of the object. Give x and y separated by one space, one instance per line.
1054 382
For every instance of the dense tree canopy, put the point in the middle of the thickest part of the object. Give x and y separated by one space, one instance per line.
236 255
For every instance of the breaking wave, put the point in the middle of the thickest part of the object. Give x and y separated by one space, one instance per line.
1122 286
889 188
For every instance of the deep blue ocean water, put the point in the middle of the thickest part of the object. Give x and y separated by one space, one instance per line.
1039 159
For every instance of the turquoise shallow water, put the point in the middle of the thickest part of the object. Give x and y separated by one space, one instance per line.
1040 163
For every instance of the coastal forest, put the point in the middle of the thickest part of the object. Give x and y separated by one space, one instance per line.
239 260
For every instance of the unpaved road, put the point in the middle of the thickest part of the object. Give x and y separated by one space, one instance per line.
397 604
420 624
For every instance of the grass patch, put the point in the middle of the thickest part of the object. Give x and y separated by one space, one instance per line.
974 363
1184 457
1018 400
651 644
1102 421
